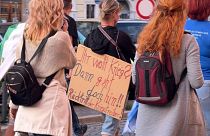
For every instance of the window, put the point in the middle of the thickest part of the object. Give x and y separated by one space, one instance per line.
131 28
90 10
124 16
4 10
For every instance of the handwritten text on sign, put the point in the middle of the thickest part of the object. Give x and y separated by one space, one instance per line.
100 82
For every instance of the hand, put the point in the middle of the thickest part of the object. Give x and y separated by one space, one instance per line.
12 113
69 74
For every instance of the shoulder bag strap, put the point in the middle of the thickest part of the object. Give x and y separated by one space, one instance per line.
41 46
49 78
47 81
184 73
113 42
107 36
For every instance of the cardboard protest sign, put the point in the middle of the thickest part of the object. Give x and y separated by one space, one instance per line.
100 82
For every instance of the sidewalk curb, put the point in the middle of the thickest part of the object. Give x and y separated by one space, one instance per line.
97 118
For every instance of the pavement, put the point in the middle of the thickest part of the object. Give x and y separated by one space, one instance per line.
90 117
94 121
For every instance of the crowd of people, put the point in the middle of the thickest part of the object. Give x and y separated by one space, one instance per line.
187 114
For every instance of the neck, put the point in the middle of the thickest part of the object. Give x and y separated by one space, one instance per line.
105 24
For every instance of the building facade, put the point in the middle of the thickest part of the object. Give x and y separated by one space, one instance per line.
13 10
17 10
89 9
10 11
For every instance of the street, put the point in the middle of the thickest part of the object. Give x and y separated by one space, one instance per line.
94 129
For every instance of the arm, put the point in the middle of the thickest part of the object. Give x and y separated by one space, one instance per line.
13 110
71 56
60 53
194 72
72 29
134 68
128 49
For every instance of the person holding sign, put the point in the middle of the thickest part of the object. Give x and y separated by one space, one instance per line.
107 39
182 116
71 28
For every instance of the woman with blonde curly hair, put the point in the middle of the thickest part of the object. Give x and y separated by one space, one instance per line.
51 115
165 31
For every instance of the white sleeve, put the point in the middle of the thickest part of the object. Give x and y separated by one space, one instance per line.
9 50
134 68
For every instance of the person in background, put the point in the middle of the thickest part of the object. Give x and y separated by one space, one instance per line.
51 115
79 130
183 115
199 26
72 27
109 15
8 45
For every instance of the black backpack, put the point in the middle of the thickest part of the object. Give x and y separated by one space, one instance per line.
21 81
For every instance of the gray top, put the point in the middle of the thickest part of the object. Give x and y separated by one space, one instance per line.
181 117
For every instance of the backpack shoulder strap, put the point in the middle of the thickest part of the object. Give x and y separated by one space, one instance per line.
47 81
186 32
41 46
184 73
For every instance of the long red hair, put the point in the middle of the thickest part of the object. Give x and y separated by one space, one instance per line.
165 29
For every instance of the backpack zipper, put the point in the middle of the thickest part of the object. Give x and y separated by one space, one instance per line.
21 76
27 72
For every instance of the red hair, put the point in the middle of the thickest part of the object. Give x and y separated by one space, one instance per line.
165 29
199 9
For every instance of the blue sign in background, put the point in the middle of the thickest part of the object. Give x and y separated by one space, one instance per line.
97 1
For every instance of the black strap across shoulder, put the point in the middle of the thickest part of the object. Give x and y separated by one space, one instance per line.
47 81
40 47
184 73
38 50
113 42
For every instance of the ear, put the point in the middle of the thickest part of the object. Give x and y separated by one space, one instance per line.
116 14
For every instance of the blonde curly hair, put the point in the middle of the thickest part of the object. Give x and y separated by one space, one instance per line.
44 16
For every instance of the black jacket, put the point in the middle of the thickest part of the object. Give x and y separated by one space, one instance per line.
72 29
101 45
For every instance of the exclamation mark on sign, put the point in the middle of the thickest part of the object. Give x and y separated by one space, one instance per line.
120 100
